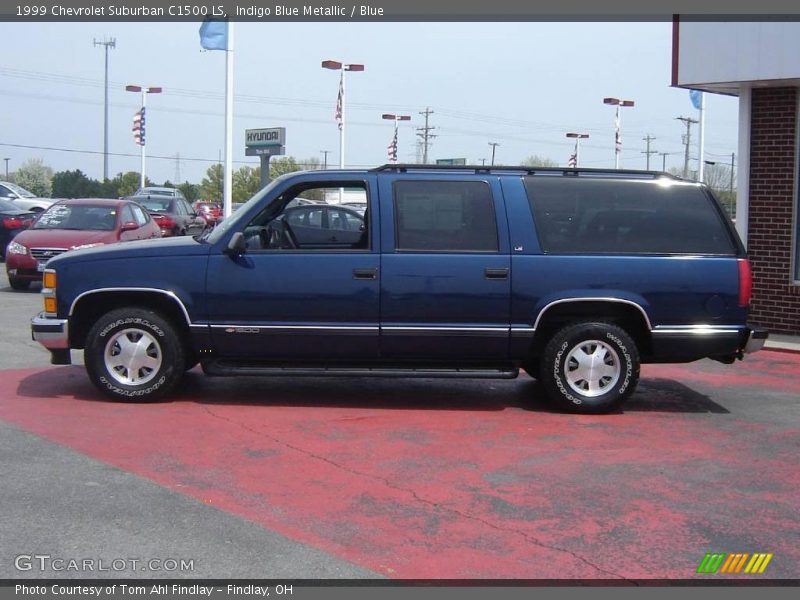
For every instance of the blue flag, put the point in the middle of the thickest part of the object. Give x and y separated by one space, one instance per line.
214 35
696 96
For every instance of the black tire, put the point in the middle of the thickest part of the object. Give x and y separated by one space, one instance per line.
161 361
613 370
19 284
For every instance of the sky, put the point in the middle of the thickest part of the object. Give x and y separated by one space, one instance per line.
522 85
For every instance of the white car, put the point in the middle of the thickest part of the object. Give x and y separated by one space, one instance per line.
22 198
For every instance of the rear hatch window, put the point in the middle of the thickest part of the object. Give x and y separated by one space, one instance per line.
583 215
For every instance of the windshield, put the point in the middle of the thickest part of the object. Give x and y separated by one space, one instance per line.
230 222
79 217
20 191
157 205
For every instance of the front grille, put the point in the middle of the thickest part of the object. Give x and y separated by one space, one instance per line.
45 254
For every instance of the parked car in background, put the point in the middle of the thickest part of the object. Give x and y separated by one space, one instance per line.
72 224
12 221
312 225
211 212
172 214
22 198
153 190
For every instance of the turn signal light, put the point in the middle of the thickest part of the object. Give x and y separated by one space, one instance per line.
50 305
49 280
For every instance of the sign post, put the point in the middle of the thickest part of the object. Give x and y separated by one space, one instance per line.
265 143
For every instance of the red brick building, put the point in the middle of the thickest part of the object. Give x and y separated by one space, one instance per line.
759 63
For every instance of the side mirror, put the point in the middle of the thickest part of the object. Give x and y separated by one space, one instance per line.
129 226
237 246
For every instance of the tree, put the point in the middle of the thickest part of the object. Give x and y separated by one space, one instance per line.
35 176
718 178
128 183
538 161
282 165
74 184
190 191
246 182
211 186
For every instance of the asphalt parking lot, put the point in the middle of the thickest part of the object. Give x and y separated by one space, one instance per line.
364 478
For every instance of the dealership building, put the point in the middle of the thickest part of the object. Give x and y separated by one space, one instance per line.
760 63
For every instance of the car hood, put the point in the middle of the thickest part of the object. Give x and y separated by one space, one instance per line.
63 238
152 248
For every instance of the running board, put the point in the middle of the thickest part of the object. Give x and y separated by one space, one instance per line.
226 368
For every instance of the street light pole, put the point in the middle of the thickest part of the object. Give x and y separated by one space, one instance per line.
112 43
578 137
617 125
340 101
325 159
6 159
144 91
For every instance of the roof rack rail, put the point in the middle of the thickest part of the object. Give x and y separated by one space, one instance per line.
482 169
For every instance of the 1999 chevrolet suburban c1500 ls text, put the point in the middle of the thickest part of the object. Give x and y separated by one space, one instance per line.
576 276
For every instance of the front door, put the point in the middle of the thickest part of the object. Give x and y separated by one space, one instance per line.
302 290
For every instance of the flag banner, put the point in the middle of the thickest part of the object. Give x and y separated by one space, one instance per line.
339 101
696 96
138 126
617 134
214 35
392 147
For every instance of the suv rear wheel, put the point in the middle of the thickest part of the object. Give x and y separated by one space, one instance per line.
134 355
590 368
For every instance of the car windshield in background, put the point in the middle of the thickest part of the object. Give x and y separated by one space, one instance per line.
154 192
155 204
78 217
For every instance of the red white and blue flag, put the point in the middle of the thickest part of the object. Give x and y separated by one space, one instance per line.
617 134
138 127
339 101
573 160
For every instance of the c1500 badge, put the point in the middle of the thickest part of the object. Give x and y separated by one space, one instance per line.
241 330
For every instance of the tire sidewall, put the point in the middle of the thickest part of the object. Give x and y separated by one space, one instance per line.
160 329
554 367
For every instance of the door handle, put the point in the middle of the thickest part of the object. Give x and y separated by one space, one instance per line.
365 273
496 273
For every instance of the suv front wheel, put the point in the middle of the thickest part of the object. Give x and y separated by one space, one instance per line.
134 355
590 368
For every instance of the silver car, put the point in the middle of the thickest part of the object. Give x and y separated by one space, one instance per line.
22 198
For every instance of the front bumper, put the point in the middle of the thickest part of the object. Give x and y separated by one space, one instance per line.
53 334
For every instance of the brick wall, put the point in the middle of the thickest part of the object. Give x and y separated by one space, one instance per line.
776 300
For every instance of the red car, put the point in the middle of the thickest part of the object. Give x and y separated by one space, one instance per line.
71 224
210 211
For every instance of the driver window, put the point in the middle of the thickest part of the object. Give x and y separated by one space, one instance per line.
313 217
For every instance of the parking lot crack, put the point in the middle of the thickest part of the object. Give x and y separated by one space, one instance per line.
433 504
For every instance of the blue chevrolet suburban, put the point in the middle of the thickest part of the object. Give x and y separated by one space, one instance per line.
576 276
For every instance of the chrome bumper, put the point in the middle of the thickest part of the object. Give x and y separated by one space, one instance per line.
53 334
755 340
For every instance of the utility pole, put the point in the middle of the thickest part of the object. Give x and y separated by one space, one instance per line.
110 43
324 159
426 135
177 168
483 162
494 146
686 141
664 160
733 160
6 159
648 152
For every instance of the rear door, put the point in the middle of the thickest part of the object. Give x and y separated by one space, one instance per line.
445 272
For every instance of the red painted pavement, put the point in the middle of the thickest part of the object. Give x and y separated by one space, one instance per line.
443 479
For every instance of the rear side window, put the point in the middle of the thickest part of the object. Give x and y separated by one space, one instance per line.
609 216
444 216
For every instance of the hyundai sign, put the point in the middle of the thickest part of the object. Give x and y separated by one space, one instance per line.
265 142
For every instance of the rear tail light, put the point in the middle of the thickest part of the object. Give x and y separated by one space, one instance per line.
745 282
165 222
13 223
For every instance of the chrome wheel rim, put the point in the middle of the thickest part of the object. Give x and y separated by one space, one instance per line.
592 368
132 357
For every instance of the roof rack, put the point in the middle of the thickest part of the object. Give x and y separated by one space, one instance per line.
482 169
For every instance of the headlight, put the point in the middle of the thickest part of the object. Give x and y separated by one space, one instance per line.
17 248
82 246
